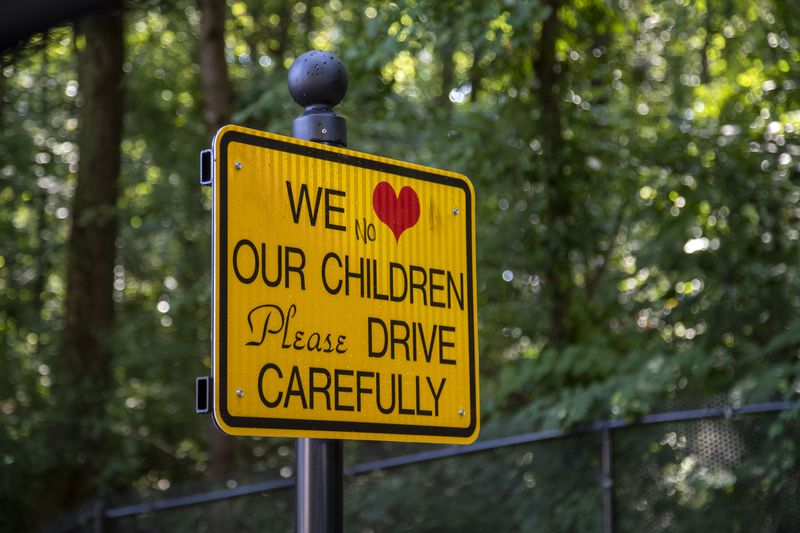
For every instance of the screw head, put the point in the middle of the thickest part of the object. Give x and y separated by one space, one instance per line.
238 165
239 393
461 411
455 210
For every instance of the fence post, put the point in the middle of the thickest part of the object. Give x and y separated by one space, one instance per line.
608 481
318 81
98 512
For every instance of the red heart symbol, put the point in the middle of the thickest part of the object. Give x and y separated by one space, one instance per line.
399 212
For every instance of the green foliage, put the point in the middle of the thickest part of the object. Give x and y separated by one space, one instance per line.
640 255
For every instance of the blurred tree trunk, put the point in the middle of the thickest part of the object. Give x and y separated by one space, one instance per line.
476 72
448 75
7 310
217 96
2 99
445 47
282 39
84 377
42 227
705 76
547 89
309 23
214 80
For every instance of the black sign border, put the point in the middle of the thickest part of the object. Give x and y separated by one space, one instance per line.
221 342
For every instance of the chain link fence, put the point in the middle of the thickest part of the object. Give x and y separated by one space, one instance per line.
715 469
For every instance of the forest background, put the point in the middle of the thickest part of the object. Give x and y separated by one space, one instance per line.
637 170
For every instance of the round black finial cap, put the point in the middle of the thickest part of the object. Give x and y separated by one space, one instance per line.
317 78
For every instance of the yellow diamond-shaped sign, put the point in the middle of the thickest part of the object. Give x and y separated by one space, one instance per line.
344 294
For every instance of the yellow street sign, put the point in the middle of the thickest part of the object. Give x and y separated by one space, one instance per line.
344 294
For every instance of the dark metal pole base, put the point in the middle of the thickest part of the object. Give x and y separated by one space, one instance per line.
319 486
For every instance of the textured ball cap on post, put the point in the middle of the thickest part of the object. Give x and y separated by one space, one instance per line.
318 81
317 78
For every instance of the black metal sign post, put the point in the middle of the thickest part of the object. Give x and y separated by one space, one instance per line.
318 81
